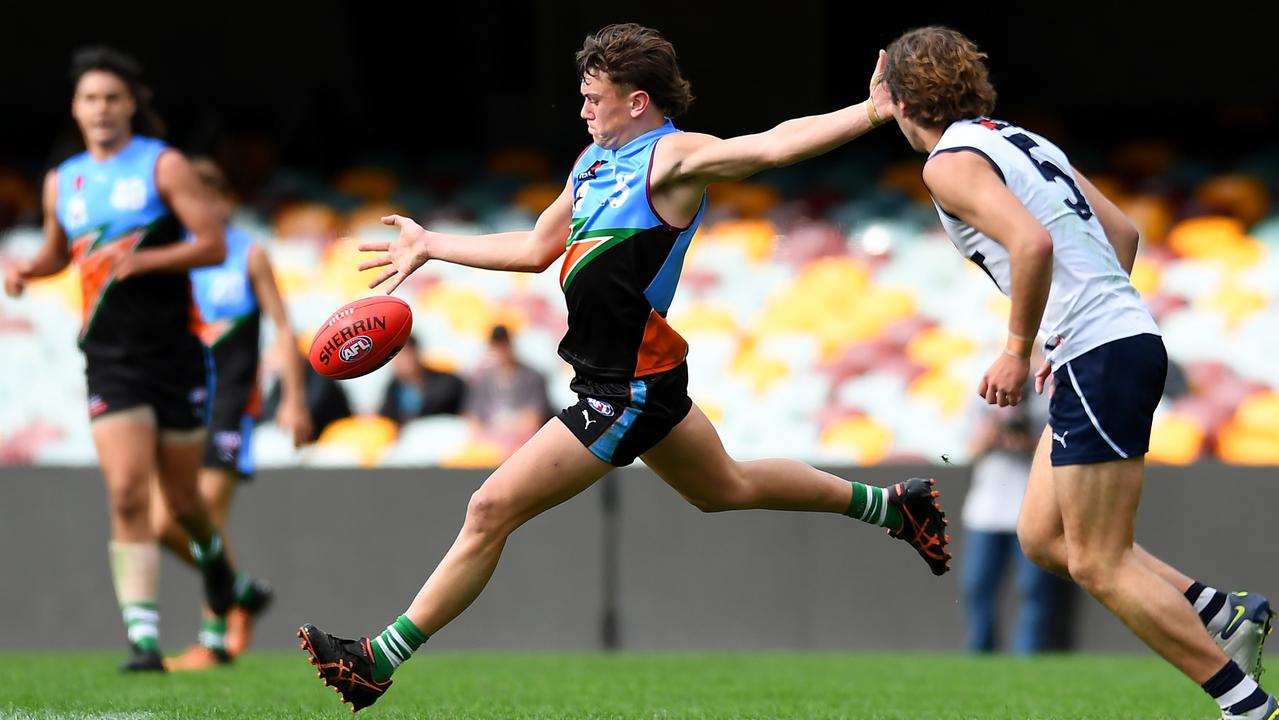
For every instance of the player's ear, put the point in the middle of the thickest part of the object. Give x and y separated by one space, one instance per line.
638 101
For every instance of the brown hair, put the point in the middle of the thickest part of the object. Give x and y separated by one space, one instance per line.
940 75
638 57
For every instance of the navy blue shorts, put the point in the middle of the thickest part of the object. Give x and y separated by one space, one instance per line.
619 420
1105 399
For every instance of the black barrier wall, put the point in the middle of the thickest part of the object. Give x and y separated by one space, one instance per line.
630 565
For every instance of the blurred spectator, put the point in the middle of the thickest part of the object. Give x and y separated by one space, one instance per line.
1002 452
506 400
325 399
417 391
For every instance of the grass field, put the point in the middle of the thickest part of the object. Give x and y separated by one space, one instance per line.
282 685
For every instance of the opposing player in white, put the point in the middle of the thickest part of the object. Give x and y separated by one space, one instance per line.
1011 203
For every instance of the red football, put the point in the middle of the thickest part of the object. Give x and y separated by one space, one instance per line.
361 337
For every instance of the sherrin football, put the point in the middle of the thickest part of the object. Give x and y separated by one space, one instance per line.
361 337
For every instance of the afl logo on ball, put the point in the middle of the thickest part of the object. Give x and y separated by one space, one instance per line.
602 408
355 348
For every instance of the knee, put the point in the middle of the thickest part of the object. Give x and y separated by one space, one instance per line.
1093 573
1042 548
489 515
130 501
183 505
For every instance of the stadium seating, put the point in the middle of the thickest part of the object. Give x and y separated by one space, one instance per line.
828 318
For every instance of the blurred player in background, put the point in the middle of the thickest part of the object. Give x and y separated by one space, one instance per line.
629 208
1012 204
231 298
118 211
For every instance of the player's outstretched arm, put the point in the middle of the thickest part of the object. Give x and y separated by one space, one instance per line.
705 159
529 251
293 415
1120 231
966 186
53 256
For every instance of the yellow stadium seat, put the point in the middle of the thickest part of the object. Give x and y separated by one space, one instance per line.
307 220
867 440
371 184
1260 411
1145 277
1232 302
935 347
368 435
525 162
1252 435
478 454
760 371
1242 446
704 318
339 270
711 409
743 199
947 392
1215 238
1239 196
536 197
468 311
1176 439
756 237
370 215
1151 214
907 177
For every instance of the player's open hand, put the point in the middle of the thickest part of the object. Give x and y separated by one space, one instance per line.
401 256
295 418
127 264
1002 383
15 277
879 95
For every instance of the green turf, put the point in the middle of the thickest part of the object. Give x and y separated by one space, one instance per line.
282 685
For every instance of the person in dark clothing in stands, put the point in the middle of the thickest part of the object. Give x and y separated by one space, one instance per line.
417 390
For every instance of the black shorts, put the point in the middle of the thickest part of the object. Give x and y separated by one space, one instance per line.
175 386
619 420
229 442
1104 401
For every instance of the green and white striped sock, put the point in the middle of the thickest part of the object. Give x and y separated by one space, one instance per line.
870 505
395 645
207 552
142 620
213 634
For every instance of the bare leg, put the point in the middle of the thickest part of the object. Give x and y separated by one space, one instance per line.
126 444
1099 507
217 490
179 467
549 469
692 460
1039 527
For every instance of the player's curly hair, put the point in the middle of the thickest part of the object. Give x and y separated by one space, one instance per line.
638 57
940 75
